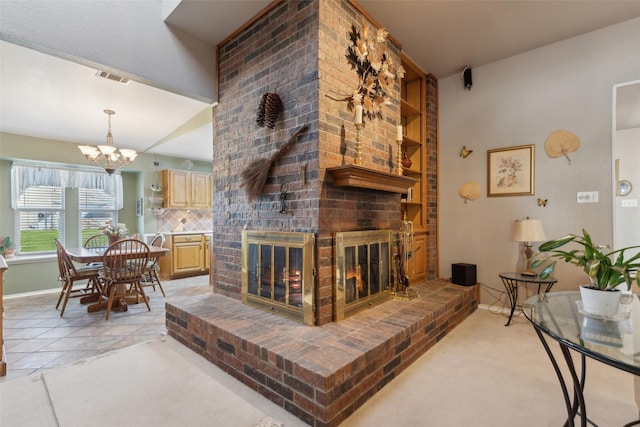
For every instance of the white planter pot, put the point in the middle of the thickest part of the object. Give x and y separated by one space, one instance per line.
600 303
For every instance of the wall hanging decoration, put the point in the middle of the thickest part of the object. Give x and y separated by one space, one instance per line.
255 175
542 202
511 171
561 143
623 186
268 110
303 168
376 70
464 152
469 191
284 188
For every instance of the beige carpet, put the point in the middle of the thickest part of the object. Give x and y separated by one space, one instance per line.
482 374
157 383
487 375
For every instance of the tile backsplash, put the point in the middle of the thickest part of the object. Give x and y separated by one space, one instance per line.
196 219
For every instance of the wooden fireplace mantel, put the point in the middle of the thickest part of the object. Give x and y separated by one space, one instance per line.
358 176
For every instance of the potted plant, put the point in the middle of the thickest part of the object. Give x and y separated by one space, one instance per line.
606 270
6 247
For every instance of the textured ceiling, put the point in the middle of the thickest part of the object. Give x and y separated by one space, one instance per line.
48 97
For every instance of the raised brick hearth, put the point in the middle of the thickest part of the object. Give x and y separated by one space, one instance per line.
321 374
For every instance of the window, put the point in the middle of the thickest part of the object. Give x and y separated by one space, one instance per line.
38 198
96 208
39 218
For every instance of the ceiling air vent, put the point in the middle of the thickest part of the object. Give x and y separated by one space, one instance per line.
111 76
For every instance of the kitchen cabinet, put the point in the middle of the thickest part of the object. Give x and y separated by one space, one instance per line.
184 189
201 190
188 256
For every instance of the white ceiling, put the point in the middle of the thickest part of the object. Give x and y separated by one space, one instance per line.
48 97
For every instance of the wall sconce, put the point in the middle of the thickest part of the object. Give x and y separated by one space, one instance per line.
528 231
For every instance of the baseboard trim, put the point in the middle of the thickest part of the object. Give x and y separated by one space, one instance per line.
33 293
493 309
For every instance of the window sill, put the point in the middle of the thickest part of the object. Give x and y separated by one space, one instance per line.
30 259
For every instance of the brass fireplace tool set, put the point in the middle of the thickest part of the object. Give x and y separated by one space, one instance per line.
401 288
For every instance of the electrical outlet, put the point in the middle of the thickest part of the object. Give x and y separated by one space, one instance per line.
629 203
587 197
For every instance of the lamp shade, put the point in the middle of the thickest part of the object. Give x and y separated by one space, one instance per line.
528 230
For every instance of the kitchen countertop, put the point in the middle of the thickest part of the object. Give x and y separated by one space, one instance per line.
175 233
148 236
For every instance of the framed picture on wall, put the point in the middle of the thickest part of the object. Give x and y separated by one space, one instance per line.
510 171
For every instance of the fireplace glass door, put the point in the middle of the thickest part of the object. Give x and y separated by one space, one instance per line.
277 273
363 274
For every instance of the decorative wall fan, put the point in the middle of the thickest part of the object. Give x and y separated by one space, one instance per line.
470 191
561 143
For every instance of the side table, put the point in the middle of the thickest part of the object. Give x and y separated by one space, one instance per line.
511 281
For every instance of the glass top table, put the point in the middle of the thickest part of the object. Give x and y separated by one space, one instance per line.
614 341
511 282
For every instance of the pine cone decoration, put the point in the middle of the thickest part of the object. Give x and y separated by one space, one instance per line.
261 110
268 110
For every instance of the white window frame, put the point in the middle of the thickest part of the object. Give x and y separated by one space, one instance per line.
30 209
25 174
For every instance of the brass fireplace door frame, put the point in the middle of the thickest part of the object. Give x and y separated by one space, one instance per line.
305 241
342 309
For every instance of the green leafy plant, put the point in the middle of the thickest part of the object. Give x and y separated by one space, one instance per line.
606 270
5 244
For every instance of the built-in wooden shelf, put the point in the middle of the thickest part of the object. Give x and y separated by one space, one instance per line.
358 176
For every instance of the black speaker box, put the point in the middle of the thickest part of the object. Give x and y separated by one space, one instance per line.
468 80
463 274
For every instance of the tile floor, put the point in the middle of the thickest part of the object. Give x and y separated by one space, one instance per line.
37 338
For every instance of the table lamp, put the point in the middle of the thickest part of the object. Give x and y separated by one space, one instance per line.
527 231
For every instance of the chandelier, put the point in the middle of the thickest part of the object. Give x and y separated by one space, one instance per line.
108 156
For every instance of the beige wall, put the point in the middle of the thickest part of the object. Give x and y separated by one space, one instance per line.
518 101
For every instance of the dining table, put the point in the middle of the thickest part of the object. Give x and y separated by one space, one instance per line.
96 255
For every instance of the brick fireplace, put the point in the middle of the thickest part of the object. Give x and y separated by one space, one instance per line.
297 49
321 373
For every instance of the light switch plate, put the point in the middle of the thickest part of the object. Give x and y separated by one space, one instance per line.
587 197
629 203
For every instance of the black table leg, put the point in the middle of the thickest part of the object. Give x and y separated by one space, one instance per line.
563 384
512 292
576 405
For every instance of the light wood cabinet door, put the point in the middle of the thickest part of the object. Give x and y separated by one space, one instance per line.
418 260
201 190
187 254
177 187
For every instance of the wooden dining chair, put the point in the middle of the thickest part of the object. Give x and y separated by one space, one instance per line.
123 264
151 277
97 241
70 274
